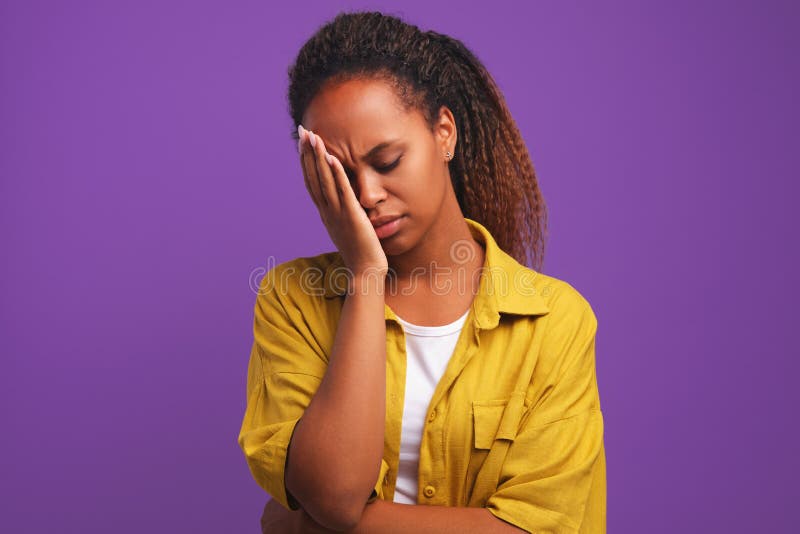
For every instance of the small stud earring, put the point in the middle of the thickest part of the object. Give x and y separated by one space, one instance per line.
448 155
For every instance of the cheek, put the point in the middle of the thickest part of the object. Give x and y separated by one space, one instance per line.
427 196
426 178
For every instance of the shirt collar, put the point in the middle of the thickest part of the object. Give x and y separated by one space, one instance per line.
506 286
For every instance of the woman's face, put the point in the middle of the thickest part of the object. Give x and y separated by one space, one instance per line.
395 164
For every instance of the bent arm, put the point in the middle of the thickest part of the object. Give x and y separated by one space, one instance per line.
336 450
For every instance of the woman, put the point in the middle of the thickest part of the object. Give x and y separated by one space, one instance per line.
420 378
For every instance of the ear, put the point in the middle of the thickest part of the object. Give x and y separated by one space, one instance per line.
445 131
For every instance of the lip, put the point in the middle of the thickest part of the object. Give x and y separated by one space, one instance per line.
383 219
390 226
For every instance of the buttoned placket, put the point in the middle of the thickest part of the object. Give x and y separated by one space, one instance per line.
431 474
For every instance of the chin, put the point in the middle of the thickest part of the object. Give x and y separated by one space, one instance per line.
396 246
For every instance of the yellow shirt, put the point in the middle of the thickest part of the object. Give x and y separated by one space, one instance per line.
514 424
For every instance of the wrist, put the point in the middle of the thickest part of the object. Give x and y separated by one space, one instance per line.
367 282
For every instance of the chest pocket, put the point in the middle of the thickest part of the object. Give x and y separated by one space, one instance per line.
497 419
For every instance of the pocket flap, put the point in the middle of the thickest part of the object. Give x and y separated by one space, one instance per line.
497 419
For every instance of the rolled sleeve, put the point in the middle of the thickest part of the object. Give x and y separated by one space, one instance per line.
285 370
553 477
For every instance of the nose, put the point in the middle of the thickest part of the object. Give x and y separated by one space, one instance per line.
369 190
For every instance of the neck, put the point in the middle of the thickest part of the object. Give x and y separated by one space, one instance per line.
447 247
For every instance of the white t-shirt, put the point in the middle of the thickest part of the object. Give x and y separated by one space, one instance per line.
428 349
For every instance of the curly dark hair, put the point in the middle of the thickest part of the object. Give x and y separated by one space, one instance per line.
492 172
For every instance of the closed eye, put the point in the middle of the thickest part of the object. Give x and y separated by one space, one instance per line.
382 169
387 168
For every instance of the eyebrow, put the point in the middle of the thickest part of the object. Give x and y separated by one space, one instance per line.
377 148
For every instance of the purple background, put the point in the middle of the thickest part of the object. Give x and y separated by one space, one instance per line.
148 178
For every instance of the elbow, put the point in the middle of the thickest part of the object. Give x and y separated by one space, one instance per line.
343 523
352 511
334 498
338 510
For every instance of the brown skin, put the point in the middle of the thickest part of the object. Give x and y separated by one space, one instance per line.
332 473
351 118
382 517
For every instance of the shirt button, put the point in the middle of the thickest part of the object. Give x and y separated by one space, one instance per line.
429 491
432 416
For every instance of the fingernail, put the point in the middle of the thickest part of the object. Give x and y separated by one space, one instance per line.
329 158
312 138
300 130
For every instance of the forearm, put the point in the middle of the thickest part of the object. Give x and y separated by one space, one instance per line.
335 453
389 517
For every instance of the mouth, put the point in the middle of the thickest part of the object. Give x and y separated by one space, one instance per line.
389 228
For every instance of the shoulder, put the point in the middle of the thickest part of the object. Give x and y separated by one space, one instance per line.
296 282
569 311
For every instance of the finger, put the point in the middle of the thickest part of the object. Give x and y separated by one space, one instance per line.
310 161
309 169
326 175
347 195
300 157
305 176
